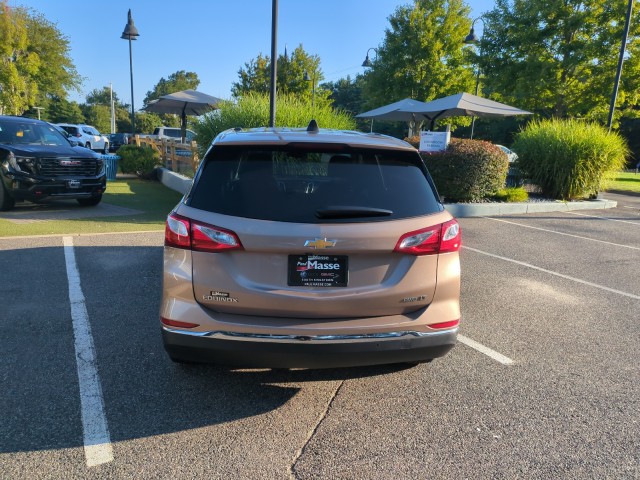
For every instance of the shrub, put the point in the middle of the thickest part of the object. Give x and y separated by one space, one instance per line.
139 160
568 159
468 171
511 194
252 110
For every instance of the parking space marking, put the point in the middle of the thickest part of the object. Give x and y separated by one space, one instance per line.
563 233
498 357
551 272
604 218
97 442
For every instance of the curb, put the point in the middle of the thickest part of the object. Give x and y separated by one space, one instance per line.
461 210
181 184
175 181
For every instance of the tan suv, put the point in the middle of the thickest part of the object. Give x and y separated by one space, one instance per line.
310 248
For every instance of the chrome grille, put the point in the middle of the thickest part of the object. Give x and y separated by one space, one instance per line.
65 166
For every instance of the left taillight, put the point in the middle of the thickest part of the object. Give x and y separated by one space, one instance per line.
183 232
442 238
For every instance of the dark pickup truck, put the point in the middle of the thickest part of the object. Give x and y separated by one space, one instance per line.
37 162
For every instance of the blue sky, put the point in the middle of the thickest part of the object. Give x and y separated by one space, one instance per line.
213 38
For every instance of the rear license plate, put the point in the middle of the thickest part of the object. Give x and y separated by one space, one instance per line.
318 270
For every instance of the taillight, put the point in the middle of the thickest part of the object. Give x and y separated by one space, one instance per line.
182 232
176 323
441 238
442 325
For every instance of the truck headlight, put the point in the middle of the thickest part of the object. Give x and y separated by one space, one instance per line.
21 164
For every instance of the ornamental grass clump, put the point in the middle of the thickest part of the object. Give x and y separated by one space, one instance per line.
468 171
568 159
252 110
511 195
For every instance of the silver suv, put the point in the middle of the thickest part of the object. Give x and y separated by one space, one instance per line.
310 248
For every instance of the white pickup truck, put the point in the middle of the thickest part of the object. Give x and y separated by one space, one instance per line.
169 133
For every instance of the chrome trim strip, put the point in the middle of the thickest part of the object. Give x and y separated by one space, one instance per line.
264 337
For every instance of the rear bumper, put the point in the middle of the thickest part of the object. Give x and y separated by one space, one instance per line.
289 351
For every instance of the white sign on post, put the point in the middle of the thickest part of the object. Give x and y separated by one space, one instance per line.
434 141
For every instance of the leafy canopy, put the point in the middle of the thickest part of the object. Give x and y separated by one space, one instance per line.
558 58
176 82
34 60
421 56
255 76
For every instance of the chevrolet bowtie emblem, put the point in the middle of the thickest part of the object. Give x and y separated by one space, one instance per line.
320 243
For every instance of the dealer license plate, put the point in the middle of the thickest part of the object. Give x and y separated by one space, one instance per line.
318 270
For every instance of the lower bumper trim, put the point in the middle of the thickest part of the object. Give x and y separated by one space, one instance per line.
319 351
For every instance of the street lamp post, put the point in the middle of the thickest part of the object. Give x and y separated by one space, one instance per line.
312 79
473 39
623 46
367 62
130 33
274 63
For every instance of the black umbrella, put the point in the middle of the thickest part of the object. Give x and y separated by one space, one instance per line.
465 104
186 102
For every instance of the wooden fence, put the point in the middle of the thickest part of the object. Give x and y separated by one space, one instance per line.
178 157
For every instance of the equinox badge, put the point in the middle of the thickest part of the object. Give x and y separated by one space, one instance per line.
320 243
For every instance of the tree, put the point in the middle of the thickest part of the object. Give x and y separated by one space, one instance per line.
61 110
346 94
256 76
103 97
558 58
421 56
34 60
176 82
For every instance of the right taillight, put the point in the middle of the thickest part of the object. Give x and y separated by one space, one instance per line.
182 232
441 238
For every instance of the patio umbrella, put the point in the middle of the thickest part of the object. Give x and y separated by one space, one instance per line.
398 111
465 104
186 102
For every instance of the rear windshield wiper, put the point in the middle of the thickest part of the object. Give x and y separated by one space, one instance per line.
351 212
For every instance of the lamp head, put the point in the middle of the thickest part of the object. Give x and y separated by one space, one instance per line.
130 31
472 37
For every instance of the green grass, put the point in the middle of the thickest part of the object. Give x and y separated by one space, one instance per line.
152 198
624 182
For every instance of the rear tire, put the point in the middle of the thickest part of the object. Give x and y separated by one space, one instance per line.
90 202
6 201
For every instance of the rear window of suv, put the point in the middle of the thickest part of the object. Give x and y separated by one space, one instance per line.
314 184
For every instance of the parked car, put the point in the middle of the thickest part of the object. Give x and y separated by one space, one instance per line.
72 140
37 162
88 136
514 178
172 133
116 140
310 248
513 156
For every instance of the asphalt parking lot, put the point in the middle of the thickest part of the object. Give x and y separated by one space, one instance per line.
544 384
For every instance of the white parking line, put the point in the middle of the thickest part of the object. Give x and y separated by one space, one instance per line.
97 442
562 233
561 275
498 357
604 218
